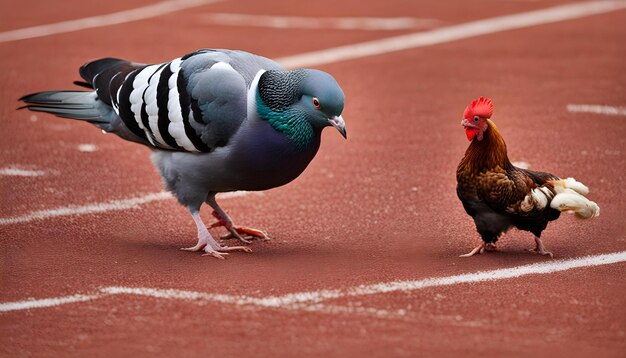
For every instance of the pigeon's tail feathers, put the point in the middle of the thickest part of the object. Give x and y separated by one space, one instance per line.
79 105
106 75
91 70
83 84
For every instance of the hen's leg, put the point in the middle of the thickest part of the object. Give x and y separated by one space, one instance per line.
234 231
206 242
539 249
477 250
489 246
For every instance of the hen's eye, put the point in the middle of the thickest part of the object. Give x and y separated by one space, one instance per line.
476 118
316 103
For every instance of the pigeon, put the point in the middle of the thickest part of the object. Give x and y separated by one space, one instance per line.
217 121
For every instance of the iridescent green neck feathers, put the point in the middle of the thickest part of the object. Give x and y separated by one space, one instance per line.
287 120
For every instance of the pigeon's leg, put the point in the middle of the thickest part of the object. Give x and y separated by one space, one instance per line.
206 242
539 249
235 232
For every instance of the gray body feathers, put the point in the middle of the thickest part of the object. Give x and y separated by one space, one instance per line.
198 114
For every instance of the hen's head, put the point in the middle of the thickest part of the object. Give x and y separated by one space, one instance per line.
475 118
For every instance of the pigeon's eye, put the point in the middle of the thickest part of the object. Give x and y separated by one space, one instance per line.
316 103
476 118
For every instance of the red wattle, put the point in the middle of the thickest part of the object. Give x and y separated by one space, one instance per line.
470 133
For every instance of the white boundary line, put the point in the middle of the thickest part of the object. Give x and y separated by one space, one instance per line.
452 33
46 302
18 172
140 13
311 301
94 208
300 22
597 109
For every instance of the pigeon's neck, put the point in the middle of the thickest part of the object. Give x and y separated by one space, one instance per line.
277 91
280 89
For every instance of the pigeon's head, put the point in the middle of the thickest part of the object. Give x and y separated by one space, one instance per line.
300 102
322 99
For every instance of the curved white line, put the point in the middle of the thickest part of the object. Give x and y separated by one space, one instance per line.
94 208
310 300
46 302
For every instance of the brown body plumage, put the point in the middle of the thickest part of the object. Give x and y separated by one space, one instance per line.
499 195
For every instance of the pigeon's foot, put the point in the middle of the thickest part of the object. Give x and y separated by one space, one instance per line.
238 232
195 248
207 244
480 249
220 253
203 241
539 249
213 248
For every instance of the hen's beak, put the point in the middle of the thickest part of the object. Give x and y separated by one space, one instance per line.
339 124
467 124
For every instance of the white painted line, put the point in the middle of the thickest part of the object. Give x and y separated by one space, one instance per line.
173 294
178 294
18 172
493 275
46 302
406 286
94 208
597 109
87 148
140 13
299 22
350 309
311 300
452 33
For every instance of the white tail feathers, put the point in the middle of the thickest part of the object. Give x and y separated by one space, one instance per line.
577 186
570 197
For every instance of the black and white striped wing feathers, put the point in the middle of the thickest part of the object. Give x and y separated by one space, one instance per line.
174 106
194 103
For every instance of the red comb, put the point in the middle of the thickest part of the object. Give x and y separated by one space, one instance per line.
481 107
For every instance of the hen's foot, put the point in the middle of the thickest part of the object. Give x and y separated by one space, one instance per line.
539 249
480 249
490 247
477 250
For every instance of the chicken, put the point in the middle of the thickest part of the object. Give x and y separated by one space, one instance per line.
499 195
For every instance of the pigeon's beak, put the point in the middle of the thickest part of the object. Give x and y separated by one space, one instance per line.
339 124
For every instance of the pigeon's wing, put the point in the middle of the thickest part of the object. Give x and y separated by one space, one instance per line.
213 89
194 103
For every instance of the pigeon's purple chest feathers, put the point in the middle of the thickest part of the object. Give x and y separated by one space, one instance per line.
270 158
